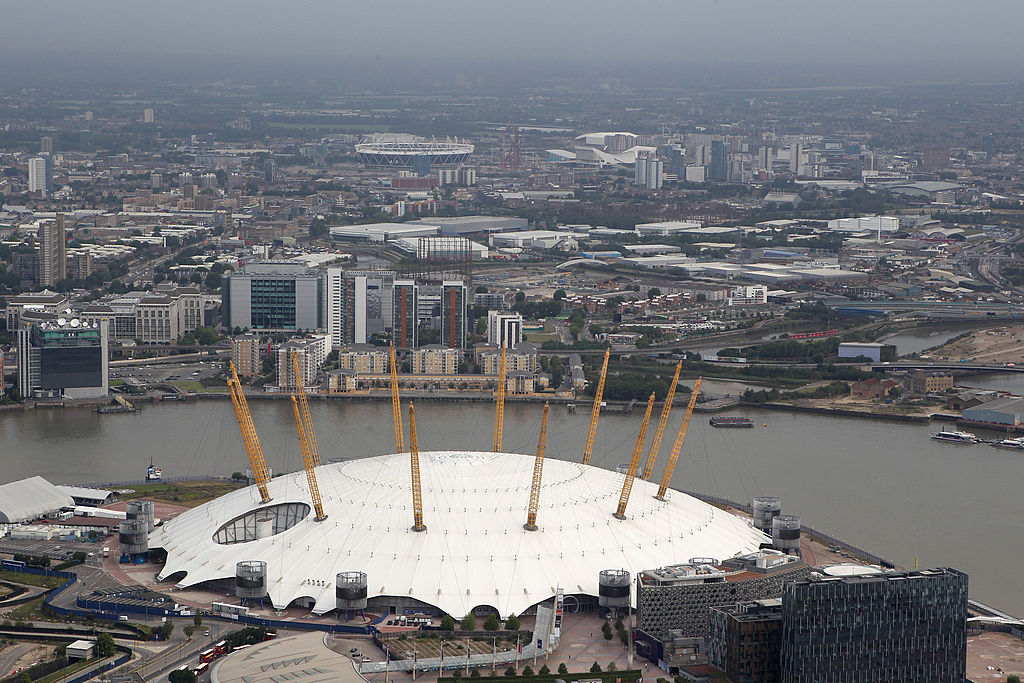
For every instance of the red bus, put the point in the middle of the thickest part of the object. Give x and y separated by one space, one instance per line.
221 647
207 655
201 669
270 635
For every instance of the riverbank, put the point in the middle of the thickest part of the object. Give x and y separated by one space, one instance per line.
845 412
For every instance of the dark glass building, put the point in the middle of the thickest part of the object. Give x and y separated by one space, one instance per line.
876 628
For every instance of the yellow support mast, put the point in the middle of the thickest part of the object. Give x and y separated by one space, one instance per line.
588 449
414 460
499 409
314 488
396 406
634 462
673 457
538 469
652 455
250 439
307 423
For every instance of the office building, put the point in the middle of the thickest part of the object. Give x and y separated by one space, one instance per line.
273 295
247 355
166 313
38 175
719 167
435 359
62 358
796 153
744 640
696 174
679 596
269 170
46 144
53 266
888 626
311 352
85 140
364 302
405 322
504 329
148 115
44 302
453 314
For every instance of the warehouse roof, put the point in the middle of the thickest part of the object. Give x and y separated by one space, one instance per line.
28 499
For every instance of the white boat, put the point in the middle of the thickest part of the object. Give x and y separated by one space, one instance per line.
956 437
1016 444
154 473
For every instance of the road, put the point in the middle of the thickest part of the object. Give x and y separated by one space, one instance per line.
10 655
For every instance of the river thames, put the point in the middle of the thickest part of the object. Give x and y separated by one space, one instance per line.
883 486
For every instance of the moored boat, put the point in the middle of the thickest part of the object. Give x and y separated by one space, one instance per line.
954 436
730 422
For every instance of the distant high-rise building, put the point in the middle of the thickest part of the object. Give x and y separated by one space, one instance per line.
52 252
156 181
46 144
404 327
148 115
796 153
421 165
453 314
504 329
269 170
719 168
765 157
39 175
936 158
366 304
888 626
85 140
649 171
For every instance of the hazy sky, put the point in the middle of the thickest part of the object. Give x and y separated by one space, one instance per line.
657 31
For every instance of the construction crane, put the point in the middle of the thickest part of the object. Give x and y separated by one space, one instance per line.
249 437
673 457
538 469
634 462
499 410
414 460
307 423
396 406
588 449
652 454
307 460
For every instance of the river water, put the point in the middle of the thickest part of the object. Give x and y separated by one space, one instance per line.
883 486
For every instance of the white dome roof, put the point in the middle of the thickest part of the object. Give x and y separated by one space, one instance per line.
474 551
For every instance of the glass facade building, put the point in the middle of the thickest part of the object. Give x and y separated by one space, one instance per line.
274 296
876 628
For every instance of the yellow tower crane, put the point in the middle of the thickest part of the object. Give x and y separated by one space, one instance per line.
249 437
307 439
538 469
414 460
499 410
652 454
673 457
634 462
588 449
396 406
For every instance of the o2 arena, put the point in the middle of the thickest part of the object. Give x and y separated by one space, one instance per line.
448 530
397 150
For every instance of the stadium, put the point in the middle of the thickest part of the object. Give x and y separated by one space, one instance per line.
397 150
474 551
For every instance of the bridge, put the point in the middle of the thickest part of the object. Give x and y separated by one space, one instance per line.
946 365
938 308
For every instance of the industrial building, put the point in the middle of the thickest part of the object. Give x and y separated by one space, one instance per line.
474 551
467 225
885 626
1007 412
878 353
28 499
63 358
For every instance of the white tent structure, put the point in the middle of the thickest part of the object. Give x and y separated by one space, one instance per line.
28 499
474 551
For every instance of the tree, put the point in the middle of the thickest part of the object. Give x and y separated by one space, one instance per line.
527 670
544 670
492 623
520 297
653 292
511 671
1013 678
611 667
512 623
197 620
447 623
606 630
468 622
105 645
595 668
237 476
474 672
25 678
166 629
562 668
558 295
188 631
182 676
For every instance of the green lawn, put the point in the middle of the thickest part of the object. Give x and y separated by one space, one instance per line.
187 494
195 386
31 579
